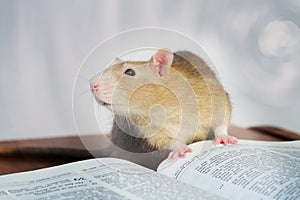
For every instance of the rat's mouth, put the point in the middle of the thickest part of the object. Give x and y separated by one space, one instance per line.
103 103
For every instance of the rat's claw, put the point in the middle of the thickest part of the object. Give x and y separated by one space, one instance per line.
174 155
225 140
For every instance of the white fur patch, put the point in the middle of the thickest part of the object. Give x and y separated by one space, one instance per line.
220 131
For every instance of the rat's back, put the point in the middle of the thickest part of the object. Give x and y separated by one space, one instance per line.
213 104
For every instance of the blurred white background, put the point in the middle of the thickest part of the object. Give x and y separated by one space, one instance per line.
255 45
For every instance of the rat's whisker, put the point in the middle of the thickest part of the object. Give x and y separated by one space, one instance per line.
83 78
105 93
109 88
84 92
123 88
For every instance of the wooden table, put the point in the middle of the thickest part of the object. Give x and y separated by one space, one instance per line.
40 153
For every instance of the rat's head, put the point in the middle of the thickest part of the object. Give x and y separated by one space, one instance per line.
125 82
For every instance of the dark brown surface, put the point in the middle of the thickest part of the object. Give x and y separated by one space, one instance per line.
40 153
276 132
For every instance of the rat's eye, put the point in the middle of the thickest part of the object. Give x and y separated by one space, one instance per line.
130 72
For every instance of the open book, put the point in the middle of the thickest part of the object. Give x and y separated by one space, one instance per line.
251 170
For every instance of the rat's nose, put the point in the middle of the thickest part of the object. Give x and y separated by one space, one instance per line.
95 87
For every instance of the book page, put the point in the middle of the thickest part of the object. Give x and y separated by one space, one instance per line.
251 169
104 178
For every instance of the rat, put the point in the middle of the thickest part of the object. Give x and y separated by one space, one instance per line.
166 102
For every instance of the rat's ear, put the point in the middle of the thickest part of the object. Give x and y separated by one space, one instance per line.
118 60
162 60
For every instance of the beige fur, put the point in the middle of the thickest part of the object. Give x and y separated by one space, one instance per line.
185 105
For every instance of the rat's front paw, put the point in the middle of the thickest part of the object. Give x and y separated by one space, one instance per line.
180 153
226 139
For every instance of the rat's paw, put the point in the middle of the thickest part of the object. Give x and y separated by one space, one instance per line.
226 139
182 153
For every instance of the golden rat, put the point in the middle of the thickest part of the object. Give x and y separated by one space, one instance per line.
165 103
